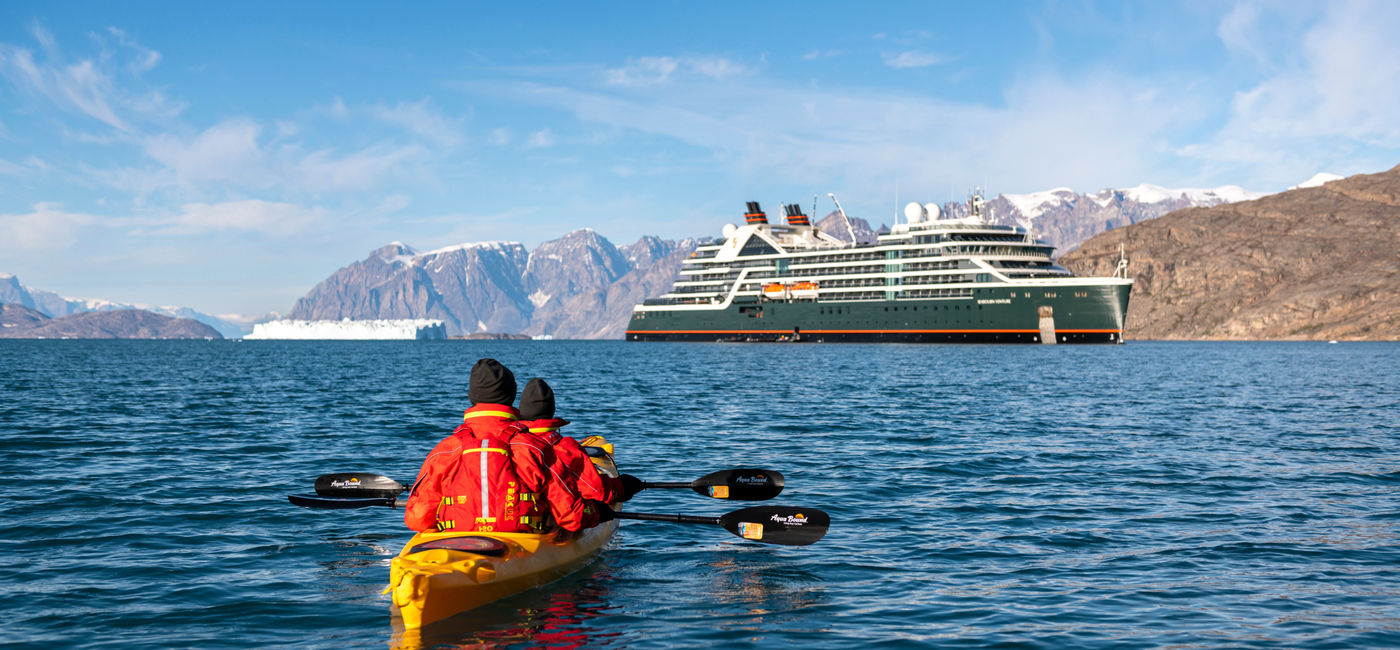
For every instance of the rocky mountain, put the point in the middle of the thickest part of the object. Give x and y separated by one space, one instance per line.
53 305
577 286
1065 218
20 322
832 225
1314 263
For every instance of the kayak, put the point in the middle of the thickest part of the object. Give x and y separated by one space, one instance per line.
438 575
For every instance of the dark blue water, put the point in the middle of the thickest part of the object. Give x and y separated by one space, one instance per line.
1150 494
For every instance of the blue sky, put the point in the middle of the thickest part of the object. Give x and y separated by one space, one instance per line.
227 157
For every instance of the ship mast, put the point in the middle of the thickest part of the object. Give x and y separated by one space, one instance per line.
849 230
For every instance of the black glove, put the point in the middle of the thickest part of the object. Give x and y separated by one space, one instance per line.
605 512
631 485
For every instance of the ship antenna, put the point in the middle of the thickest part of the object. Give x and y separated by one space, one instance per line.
1122 270
849 230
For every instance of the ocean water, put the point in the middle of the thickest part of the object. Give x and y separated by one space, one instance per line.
1144 495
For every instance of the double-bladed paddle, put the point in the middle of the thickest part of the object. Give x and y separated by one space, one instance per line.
768 524
744 484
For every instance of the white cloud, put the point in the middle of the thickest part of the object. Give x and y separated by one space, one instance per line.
1328 95
540 139
47 229
717 67
86 86
144 59
913 59
235 155
423 119
1238 31
499 137
265 217
226 152
645 71
656 71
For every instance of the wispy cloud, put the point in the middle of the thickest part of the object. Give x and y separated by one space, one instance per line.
86 85
655 71
265 217
46 229
645 71
913 59
423 119
1327 93
540 139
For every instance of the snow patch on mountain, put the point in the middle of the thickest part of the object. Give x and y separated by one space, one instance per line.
539 298
1317 180
1036 203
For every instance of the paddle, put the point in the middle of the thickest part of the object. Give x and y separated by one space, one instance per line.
768 524
357 484
323 502
734 484
747 484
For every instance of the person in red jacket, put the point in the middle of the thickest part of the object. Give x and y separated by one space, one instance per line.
541 474
537 413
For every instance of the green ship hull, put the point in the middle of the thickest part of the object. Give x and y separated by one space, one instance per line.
1065 313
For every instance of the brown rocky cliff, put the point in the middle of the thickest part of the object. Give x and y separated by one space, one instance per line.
1317 263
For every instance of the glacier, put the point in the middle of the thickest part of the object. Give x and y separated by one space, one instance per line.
350 330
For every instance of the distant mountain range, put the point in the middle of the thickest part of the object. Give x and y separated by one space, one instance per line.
53 305
20 322
1313 263
579 286
583 286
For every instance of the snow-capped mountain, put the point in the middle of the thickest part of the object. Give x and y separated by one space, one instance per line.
1066 218
1317 180
55 306
577 286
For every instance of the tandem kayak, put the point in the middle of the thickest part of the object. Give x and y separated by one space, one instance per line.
438 575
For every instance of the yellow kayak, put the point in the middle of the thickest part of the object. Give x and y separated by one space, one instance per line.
438 575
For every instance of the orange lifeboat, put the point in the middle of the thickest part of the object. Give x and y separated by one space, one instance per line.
804 290
775 291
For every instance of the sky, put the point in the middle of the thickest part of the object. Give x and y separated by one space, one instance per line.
229 156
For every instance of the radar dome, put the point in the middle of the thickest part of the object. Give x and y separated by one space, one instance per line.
728 230
914 212
934 212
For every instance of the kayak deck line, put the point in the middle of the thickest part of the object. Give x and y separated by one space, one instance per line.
435 577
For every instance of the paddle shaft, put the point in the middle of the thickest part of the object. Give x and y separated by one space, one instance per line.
675 519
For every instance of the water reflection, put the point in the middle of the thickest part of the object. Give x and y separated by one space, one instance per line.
557 615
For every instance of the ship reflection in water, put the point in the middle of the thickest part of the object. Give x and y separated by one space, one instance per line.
554 616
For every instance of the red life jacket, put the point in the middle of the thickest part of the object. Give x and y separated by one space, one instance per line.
482 491
590 483
539 474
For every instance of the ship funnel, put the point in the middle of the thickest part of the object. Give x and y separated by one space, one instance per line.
795 216
755 214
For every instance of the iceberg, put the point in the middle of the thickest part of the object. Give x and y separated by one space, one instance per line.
416 329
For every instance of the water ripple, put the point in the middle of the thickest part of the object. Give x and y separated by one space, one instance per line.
1145 495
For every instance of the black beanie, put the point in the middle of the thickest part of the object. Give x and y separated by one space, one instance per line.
491 383
537 400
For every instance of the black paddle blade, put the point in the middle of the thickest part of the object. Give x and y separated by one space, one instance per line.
740 484
777 524
357 484
321 502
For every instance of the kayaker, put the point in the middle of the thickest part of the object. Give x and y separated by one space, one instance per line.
537 413
491 474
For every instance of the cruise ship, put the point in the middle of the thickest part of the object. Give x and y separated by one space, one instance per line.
929 280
